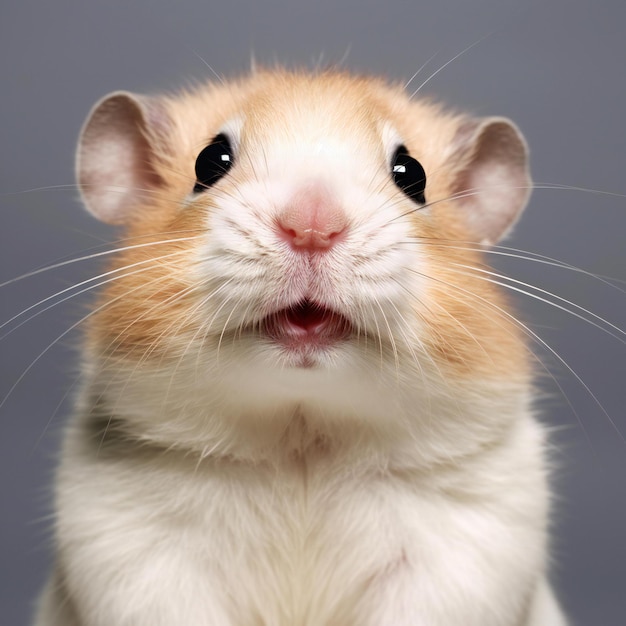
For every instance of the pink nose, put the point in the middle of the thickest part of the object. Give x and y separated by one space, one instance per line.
312 220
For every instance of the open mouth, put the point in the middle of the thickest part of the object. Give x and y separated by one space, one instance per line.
306 323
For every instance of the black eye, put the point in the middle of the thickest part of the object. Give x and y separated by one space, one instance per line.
409 175
213 162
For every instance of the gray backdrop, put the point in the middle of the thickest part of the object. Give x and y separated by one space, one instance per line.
556 67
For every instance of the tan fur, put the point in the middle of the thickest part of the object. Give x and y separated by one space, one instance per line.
219 473
467 331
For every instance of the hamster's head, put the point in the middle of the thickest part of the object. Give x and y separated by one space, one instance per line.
294 235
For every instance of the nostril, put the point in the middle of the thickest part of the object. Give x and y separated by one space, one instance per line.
311 238
312 220
288 233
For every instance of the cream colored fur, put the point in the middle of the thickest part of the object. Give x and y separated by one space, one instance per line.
210 479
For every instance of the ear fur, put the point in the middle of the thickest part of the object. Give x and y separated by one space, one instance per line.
116 156
493 179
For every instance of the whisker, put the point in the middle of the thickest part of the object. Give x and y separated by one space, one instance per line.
392 340
422 66
454 58
529 332
72 186
81 291
96 255
145 356
155 341
186 318
221 335
52 417
408 342
516 253
559 186
53 343
545 300
196 54
89 315
78 378
536 357
378 335
415 336
466 193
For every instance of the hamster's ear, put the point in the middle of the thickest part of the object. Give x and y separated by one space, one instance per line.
492 177
117 151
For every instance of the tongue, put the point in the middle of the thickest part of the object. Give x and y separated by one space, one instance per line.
307 322
307 318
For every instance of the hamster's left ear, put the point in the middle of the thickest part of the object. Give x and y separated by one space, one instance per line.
492 180
119 147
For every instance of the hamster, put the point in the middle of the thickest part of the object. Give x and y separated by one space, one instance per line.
302 403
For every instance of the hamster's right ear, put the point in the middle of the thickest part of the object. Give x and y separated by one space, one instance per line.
119 146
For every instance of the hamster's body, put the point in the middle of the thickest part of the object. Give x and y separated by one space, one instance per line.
303 404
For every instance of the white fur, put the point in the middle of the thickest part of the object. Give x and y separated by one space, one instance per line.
347 536
369 490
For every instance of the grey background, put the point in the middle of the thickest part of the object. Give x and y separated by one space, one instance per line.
555 67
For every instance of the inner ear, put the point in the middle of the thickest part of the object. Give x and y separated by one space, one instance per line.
116 156
492 182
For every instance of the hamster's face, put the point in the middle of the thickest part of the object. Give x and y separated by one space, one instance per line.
307 260
295 223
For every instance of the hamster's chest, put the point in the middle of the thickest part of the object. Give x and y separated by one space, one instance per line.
305 543
304 561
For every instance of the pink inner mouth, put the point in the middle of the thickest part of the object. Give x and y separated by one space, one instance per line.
306 324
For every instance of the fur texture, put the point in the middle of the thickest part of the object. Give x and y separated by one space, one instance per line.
215 475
